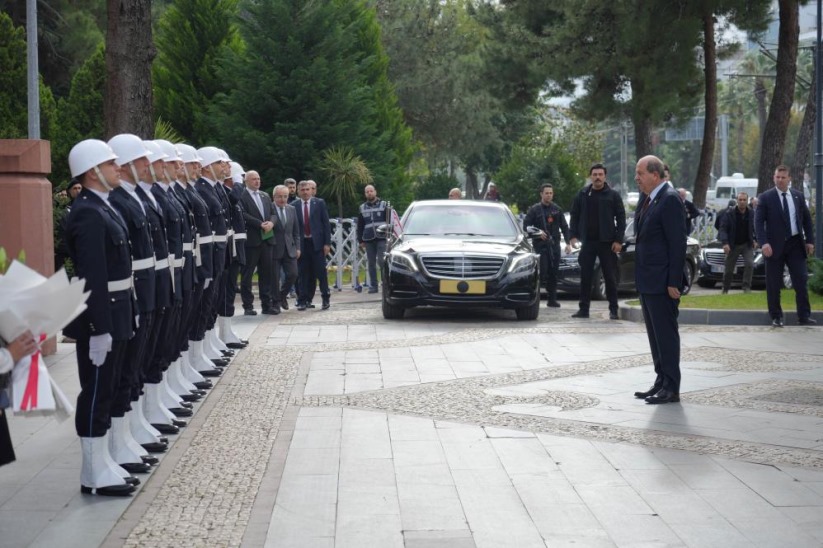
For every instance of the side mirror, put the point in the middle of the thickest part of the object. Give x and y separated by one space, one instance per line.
383 230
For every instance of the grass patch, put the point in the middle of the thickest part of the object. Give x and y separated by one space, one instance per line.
736 300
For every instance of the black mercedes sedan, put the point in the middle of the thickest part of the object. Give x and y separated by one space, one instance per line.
568 277
461 254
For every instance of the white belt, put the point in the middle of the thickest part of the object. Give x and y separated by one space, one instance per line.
220 238
205 240
239 235
160 264
178 263
119 285
142 264
188 246
230 232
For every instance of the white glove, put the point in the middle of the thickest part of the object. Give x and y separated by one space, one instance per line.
206 283
99 346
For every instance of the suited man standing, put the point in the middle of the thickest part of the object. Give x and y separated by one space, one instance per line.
259 245
660 254
784 232
286 250
313 220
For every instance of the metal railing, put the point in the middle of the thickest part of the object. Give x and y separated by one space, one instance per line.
346 254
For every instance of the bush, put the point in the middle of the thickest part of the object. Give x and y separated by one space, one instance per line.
815 275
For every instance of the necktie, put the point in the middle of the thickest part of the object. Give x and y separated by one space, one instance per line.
306 225
787 217
259 202
282 216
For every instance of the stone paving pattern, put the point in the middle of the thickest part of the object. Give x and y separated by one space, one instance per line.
455 430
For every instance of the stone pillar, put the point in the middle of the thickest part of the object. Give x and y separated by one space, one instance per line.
26 206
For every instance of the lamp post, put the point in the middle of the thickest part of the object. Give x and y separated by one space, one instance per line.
33 75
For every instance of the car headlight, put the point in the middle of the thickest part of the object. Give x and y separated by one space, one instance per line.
399 260
523 263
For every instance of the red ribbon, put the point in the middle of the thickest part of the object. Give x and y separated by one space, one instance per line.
30 394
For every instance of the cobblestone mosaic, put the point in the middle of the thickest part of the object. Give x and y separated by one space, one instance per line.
801 397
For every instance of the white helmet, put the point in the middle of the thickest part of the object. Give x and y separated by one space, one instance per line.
172 155
224 155
209 155
236 170
188 153
88 154
128 148
156 153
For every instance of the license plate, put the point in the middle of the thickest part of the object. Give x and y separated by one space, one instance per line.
717 268
463 287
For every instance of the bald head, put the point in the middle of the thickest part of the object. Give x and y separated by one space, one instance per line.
649 174
252 180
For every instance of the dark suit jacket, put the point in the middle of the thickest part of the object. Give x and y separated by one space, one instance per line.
145 283
253 219
318 221
98 241
661 243
286 237
157 227
768 219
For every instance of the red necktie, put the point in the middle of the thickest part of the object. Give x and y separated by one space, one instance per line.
306 225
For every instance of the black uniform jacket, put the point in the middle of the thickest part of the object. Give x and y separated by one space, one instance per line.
145 285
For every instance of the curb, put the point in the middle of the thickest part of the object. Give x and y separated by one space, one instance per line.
704 316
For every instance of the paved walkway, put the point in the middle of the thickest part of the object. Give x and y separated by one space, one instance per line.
448 429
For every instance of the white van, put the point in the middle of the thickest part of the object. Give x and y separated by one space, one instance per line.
727 188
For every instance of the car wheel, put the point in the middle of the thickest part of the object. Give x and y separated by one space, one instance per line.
708 284
599 285
787 278
391 311
688 275
528 313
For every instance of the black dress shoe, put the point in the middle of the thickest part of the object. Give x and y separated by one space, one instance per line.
199 393
190 397
124 490
227 353
222 362
663 396
155 447
178 423
181 412
164 428
580 314
553 304
272 311
131 480
777 322
205 384
186 404
135 467
301 307
650 392
284 304
148 459
613 316
806 321
310 306
326 305
211 373
250 312
236 345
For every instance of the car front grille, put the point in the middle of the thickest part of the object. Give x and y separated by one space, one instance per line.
719 258
463 266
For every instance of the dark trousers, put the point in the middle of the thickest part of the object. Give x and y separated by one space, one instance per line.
375 249
257 258
311 268
165 351
608 265
793 256
281 287
730 266
195 326
128 386
92 419
152 365
228 292
549 266
204 312
184 326
660 314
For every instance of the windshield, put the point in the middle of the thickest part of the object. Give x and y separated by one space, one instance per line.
460 221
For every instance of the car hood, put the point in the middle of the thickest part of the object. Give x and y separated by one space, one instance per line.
426 244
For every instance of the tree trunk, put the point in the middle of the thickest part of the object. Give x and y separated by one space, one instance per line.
774 136
129 54
804 137
760 95
472 193
704 166
642 136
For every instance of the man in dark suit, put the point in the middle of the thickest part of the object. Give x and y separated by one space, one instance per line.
286 245
784 232
313 223
660 255
549 218
98 242
257 215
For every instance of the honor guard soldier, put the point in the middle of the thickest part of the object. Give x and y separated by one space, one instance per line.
234 190
98 243
549 218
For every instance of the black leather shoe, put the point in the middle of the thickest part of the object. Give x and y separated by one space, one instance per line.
272 311
124 490
580 314
155 447
553 304
131 480
326 304
178 423
204 384
211 373
148 459
181 412
190 397
227 353
663 396
199 393
301 307
135 467
186 405
164 428
250 312
310 306
222 362
284 304
613 316
236 345
806 321
777 322
650 392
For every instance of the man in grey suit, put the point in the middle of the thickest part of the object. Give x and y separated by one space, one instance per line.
257 212
286 245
